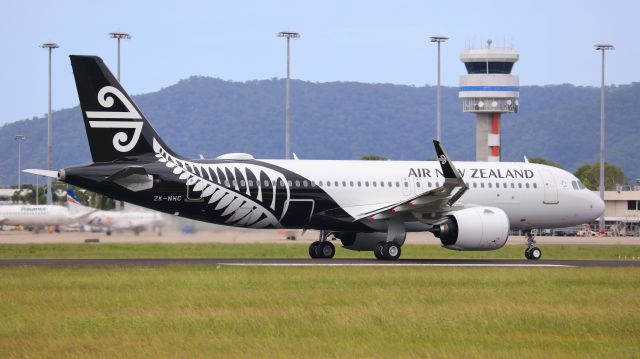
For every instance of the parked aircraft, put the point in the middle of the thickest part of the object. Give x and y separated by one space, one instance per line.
38 216
109 221
367 205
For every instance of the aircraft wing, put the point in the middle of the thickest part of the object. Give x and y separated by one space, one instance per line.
435 201
82 217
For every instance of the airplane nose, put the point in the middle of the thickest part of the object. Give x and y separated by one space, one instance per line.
597 204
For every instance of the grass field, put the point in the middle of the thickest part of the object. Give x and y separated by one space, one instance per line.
195 311
294 250
224 311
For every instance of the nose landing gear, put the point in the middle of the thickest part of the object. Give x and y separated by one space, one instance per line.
532 252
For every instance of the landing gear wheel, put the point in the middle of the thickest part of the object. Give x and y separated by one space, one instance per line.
535 253
532 252
313 249
326 249
391 251
377 250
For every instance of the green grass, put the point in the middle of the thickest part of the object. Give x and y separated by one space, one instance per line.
294 250
200 311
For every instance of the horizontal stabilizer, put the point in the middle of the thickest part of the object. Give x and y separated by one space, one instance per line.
46 173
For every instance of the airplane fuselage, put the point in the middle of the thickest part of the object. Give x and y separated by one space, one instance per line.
334 194
34 215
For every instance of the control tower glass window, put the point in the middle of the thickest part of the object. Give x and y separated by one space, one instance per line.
492 67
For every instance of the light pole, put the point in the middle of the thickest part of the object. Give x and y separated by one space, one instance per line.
119 36
439 40
50 46
602 48
287 107
19 139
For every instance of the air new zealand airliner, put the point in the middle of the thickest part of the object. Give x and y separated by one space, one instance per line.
367 205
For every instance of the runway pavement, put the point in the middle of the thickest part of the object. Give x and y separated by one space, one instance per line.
288 262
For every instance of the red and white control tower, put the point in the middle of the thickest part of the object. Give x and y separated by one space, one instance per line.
489 90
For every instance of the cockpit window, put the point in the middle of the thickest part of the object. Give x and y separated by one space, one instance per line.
582 186
575 184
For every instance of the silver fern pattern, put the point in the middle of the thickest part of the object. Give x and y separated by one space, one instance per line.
245 193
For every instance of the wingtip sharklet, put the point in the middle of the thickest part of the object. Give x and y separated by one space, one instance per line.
448 169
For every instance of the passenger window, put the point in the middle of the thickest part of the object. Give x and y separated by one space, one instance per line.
351 183
381 183
504 184
406 185
234 183
481 184
513 185
519 185
535 185
475 185
243 183
290 183
417 184
526 184
429 184
390 184
359 184
489 184
305 183
344 183
266 183
366 183
373 183
397 184
320 183
328 183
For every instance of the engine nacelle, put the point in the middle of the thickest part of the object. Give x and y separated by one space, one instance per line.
357 241
474 229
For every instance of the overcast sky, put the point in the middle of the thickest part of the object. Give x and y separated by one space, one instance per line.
367 41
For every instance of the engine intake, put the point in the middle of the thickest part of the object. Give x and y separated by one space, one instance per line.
474 229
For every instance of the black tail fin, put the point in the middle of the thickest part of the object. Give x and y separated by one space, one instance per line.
116 129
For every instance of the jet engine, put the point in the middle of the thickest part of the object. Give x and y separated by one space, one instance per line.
474 229
359 241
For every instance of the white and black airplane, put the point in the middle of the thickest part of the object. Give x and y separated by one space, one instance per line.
368 205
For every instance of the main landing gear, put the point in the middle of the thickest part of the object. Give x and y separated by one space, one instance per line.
387 250
532 252
322 248
396 234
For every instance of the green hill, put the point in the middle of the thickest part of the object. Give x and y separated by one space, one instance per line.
345 120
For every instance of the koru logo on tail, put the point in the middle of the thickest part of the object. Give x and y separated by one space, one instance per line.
105 98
